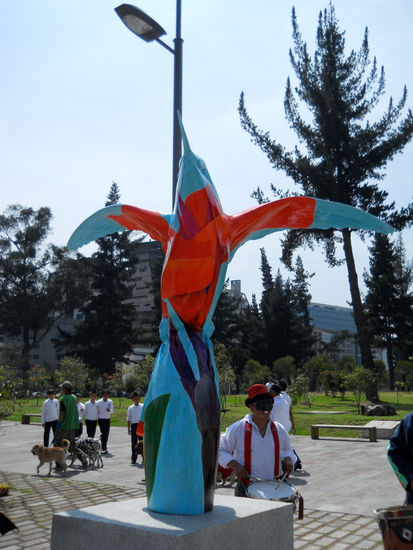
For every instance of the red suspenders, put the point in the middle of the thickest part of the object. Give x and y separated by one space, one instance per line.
247 448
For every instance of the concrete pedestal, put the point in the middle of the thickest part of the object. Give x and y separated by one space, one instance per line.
233 523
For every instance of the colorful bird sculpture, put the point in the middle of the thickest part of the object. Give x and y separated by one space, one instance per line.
182 407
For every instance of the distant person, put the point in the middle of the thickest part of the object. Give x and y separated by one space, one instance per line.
400 455
81 411
105 410
68 417
133 416
50 416
91 414
284 395
282 412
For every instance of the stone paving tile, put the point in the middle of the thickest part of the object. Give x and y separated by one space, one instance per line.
33 500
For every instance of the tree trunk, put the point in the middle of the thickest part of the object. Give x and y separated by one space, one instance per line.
389 351
359 317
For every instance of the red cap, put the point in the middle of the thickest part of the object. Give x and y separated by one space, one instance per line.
256 389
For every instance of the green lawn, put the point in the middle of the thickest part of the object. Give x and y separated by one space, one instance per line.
303 415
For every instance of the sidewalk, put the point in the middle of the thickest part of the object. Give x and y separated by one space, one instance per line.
342 482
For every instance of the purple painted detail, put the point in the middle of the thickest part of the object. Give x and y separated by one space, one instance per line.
188 225
181 363
203 394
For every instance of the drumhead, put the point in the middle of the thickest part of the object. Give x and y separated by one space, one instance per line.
271 490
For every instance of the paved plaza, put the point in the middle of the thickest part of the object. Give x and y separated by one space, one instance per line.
342 482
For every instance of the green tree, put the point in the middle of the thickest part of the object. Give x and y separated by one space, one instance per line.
300 390
38 378
226 318
284 368
9 389
254 373
314 366
39 283
226 374
106 336
74 369
389 301
301 299
252 338
345 152
143 372
359 381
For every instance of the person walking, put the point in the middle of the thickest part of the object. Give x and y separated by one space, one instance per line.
105 410
68 417
81 412
91 414
50 416
133 416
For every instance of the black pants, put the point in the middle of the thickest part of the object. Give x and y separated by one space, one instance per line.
79 431
46 435
91 427
104 425
134 440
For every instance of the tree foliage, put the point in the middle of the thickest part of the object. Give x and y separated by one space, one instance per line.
39 283
75 370
106 336
226 374
285 315
389 300
345 153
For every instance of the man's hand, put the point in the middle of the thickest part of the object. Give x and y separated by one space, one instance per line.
43 425
287 465
238 469
128 431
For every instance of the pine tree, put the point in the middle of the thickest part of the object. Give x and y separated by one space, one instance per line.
106 336
389 301
39 283
344 151
301 299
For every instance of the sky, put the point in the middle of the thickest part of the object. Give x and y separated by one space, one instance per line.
84 102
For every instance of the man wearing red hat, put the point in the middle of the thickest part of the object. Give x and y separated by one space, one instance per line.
254 446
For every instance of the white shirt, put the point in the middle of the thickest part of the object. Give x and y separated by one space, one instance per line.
262 448
91 410
103 406
50 410
81 410
281 412
285 396
134 413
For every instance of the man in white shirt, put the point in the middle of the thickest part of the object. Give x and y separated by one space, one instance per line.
105 409
133 416
50 416
281 409
91 414
269 453
284 395
81 412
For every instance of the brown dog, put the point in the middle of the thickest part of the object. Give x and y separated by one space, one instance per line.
49 454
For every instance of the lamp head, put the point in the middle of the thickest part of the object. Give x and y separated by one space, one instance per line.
139 22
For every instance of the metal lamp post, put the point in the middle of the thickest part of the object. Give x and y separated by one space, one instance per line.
148 29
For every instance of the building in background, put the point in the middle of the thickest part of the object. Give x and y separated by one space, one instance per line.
336 332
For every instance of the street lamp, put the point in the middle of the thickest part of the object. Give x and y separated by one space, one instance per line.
148 29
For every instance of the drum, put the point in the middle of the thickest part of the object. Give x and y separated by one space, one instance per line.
276 490
396 526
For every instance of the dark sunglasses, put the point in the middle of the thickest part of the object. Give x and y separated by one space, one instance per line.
263 404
